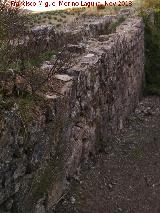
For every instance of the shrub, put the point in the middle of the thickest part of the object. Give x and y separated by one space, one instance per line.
49 17
58 25
13 26
18 72
55 17
152 54
63 16
150 4
59 20
101 7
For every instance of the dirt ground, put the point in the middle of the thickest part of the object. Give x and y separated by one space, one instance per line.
125 177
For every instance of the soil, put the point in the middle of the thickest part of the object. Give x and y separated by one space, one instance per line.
125 176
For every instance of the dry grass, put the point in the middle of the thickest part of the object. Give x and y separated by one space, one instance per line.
60 18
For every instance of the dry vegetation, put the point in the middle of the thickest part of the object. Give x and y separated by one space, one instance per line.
23 84
61 18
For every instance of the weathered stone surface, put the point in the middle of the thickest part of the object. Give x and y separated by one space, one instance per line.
45 37
99 92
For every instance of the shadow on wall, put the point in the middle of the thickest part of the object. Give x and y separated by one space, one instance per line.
152 53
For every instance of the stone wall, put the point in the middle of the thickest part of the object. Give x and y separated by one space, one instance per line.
97 95
46 37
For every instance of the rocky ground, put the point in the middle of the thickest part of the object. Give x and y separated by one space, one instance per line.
125 175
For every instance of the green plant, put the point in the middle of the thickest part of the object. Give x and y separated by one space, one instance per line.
6 104
101 7
36 61
152 54
58 25
49 17
112 27
137 153
59 20
63 16
55 17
